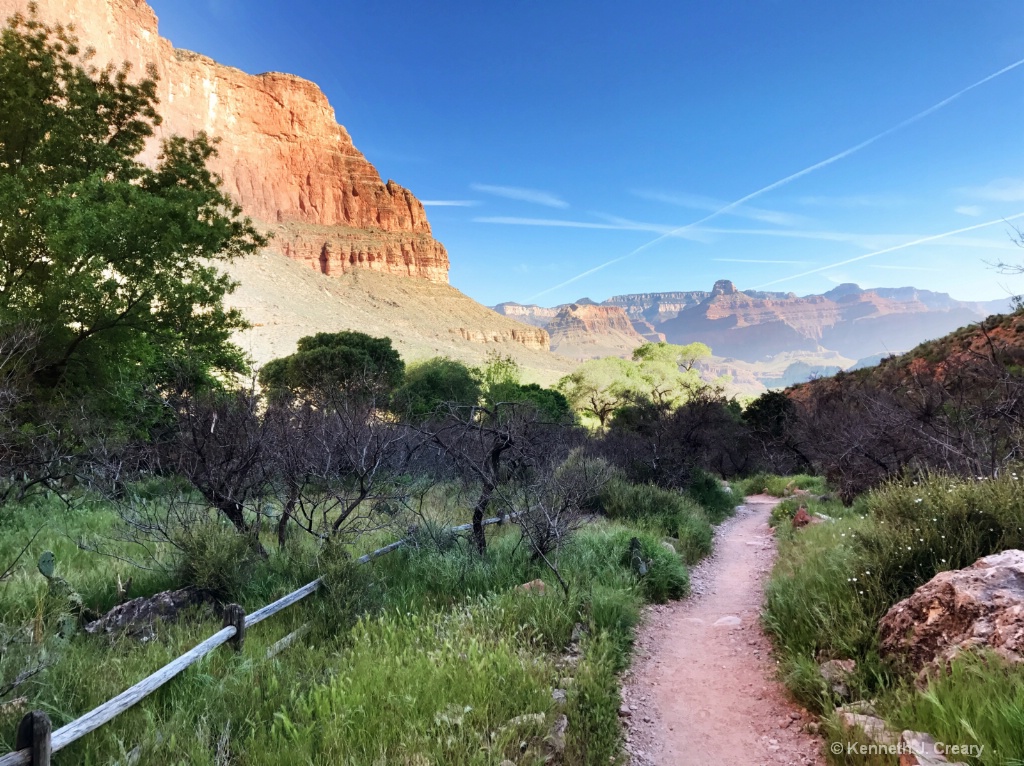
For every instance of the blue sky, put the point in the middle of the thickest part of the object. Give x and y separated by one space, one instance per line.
548 139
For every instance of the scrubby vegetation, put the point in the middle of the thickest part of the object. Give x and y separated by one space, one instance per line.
834 581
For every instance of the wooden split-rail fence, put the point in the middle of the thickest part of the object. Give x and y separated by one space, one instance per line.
36 741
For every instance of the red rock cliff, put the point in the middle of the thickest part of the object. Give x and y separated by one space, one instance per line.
282 155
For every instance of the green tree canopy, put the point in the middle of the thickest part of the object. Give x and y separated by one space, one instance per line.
328 364
659 374
502 379
112 264
431 384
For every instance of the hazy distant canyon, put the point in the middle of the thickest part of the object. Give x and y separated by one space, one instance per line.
756 335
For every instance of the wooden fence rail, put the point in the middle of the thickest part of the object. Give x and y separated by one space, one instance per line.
36 742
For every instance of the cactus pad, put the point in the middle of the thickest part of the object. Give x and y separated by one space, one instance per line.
46 564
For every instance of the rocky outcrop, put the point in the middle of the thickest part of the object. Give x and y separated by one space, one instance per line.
530 337
981 606
538 316
582 331
282 155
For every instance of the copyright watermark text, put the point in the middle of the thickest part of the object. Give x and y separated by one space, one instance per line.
905 748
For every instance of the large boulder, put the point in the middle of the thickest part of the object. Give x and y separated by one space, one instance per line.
981 606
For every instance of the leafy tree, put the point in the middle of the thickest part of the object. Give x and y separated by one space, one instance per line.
550 404
503 384
598 387
666 372
328 365
659 376
112 264
431 384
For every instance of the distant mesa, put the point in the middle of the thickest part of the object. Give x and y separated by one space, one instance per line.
812 334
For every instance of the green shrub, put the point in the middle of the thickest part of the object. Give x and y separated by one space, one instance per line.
779 486
661 510
215 558
665 577
347 590
928 526
709 493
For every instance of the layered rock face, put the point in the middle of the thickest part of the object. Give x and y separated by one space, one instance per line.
538 316
582 331
282 155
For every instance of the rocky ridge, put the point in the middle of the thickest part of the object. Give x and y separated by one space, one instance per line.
282 154
749 330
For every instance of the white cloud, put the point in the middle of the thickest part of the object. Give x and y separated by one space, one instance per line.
893 267
698 202
974 211
854 201
449 202
755 260
999 190
535 196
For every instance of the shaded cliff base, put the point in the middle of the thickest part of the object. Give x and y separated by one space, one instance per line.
285 300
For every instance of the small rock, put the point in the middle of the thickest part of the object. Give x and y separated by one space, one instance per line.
802 518
729 621
625 712
558 695
534 586
556 737
875 729
795 716
837 673
577 632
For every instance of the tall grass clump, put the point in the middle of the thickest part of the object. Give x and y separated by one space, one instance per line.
779 486
979 701
438 688
709 494
931 525
661 510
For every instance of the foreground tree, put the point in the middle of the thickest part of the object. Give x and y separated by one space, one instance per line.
112 264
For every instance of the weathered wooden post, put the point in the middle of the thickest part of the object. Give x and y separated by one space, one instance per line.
235 615
34 734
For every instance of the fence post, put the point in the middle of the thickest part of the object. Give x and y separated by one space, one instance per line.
235 615
34 733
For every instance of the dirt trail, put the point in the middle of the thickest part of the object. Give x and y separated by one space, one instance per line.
702 689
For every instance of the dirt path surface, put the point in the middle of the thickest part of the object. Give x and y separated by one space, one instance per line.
702 689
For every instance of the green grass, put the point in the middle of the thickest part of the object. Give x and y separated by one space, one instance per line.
397 652
833 581
663 512
779 486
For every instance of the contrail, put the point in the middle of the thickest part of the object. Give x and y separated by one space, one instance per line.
782 182
920 241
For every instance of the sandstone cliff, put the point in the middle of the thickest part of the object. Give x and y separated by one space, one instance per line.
582 331
282 154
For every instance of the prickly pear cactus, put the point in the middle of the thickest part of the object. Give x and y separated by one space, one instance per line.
47 562
64 603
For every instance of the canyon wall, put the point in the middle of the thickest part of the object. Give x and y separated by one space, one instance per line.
282 154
